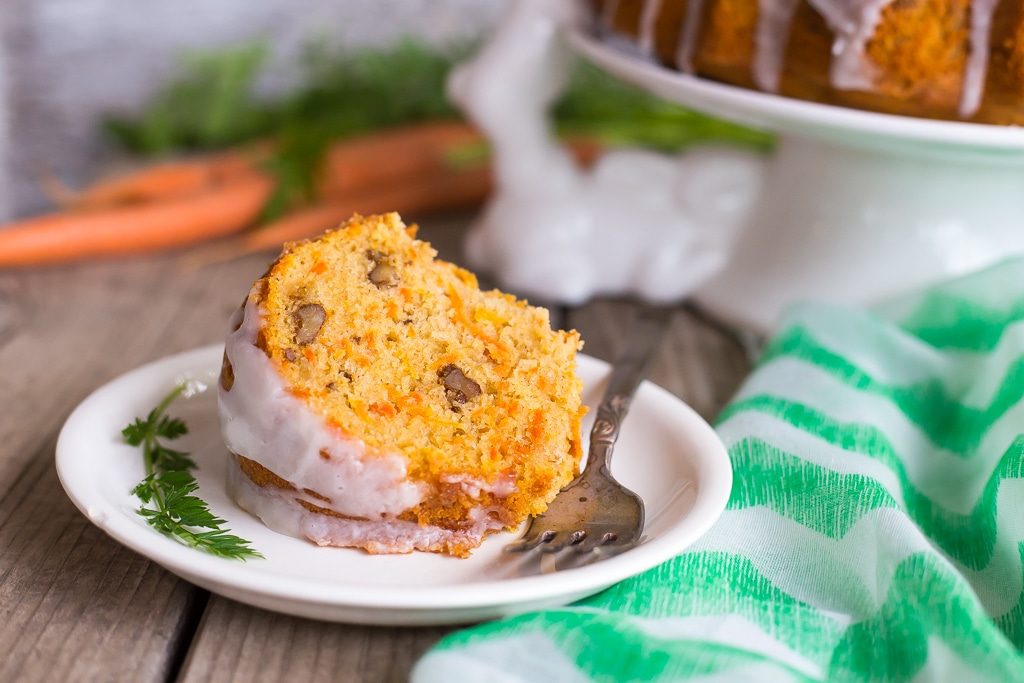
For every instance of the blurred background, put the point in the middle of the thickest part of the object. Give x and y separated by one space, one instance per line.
67 65
234 127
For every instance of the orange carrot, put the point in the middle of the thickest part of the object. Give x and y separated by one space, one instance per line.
176 222
408 169
440 189
154 183
413 152
451 191
391 155
586 151
350 166
456 190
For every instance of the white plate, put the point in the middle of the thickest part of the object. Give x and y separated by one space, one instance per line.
667 454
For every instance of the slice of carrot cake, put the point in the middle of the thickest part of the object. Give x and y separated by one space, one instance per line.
372 396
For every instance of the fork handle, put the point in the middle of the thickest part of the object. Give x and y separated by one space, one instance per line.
627 373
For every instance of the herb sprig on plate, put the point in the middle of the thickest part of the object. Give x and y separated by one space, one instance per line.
167 493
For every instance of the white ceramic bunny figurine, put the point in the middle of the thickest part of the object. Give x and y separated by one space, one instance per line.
638 222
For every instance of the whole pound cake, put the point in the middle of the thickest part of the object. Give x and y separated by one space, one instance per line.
373 397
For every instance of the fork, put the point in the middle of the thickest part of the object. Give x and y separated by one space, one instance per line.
594 510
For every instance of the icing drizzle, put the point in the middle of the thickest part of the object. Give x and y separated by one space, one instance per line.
977 60
773 20
853 22
688 38
648 22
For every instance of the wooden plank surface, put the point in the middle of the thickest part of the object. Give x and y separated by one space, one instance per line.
241 644
77 606
74 604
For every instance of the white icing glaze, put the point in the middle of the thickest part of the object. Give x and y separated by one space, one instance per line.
279 511
977 60
773 20
473 486
638 222
853 22
648 22
688 36
262 421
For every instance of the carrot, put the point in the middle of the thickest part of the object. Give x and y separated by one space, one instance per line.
408 169
133 229
443 188
585 150
452 191
413 152
389 156
162 181
349 166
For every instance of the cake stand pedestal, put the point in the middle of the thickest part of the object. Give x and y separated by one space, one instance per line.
855 206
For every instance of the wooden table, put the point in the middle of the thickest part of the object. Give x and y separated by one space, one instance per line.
75 605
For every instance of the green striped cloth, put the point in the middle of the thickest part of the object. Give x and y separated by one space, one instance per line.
875 530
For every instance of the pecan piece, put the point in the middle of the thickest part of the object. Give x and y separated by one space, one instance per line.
383 274
458 388
308 319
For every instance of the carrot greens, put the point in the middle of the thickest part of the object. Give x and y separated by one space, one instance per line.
215 104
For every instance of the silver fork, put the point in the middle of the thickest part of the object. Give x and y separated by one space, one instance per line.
594 510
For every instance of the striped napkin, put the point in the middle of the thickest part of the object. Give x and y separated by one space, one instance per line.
875 530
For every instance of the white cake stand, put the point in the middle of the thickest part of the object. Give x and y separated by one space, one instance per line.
856 206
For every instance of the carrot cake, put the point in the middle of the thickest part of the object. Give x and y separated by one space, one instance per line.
372 396
950 59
